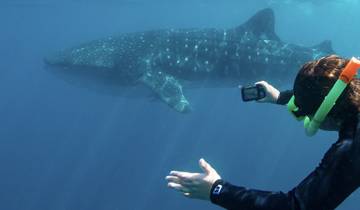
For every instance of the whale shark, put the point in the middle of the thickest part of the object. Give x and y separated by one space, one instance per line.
167 60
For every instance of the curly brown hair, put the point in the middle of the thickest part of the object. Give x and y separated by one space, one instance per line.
313 83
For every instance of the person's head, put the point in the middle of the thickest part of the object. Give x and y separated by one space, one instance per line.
314 81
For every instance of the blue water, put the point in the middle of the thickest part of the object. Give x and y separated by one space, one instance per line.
69 148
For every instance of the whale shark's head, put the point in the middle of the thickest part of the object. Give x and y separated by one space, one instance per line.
94 60
85 68
98 54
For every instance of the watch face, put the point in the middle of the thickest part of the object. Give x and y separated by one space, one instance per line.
217 189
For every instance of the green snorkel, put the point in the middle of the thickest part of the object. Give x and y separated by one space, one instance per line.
313 125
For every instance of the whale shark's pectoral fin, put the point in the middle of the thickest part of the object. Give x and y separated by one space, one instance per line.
325 46
168 89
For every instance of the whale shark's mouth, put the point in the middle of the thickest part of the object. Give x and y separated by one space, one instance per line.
90 76
56 59
98 81
93 56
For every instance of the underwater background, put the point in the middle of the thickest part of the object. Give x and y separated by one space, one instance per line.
67 148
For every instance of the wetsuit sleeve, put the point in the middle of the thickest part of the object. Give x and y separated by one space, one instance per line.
234 197
284 97
336 177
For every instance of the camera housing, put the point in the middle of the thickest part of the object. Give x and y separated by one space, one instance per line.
253 93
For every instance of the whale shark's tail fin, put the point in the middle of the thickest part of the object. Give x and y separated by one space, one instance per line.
325 47
262 25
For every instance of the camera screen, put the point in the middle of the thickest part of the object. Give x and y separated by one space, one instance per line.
250 93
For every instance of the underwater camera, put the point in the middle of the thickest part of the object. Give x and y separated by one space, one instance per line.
253 93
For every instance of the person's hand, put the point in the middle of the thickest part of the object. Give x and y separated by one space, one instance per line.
272 94
194 185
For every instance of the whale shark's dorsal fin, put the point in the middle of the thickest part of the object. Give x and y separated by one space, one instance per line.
262 25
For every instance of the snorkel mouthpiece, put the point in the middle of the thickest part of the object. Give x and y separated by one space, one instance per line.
313 125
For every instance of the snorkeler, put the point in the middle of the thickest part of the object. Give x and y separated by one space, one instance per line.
318 85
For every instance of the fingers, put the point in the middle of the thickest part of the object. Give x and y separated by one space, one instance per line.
269 88
205 166
187 195
179 187
272 94
263 100
182 174
186 189
263 83
186 182
174 179
192 185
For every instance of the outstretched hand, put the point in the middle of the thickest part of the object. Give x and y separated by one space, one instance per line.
194 185
272 94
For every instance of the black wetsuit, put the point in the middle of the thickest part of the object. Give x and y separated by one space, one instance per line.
336 177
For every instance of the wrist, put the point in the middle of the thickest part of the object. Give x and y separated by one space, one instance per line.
216 189
276 96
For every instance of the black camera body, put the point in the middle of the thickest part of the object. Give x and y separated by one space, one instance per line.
253 93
